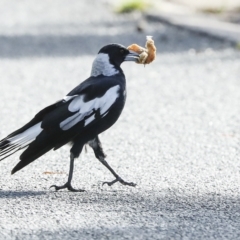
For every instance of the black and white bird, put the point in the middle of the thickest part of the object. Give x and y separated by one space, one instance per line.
85 112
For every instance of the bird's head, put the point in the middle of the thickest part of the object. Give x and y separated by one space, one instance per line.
109 59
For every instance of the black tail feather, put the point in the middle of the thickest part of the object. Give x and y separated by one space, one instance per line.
5 147
25 159
42 144
4 144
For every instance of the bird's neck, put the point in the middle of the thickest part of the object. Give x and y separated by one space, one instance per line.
102 66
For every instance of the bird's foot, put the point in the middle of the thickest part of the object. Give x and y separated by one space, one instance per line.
118 179
68 186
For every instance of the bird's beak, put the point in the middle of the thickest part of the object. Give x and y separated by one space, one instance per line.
132 56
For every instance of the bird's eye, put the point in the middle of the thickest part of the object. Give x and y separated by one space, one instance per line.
122 51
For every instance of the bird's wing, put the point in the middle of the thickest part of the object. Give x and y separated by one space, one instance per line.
85 104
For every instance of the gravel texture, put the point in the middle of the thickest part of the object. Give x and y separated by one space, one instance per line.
178 136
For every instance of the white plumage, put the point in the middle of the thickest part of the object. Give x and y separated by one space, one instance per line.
102 65
26 137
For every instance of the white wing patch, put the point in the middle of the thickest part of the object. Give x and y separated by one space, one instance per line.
102 65
67 98
88 120
84 109
21 140
25 138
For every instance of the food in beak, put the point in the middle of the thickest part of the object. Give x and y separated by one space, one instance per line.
148 54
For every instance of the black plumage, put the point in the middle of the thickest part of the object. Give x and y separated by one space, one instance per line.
85 112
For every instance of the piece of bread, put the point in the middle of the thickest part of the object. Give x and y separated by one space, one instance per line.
148 54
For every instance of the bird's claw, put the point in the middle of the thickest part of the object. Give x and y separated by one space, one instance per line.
118 179
68 186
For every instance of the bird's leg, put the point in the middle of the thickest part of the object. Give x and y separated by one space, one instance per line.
118 179
96 145
68 183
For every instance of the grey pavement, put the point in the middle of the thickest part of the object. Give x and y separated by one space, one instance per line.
178 136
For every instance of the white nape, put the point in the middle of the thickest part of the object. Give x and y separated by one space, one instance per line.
102 65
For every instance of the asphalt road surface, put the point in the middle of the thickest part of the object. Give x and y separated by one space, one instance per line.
178 136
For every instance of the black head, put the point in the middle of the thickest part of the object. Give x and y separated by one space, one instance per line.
117 54
109 59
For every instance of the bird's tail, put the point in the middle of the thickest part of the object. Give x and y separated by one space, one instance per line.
18 140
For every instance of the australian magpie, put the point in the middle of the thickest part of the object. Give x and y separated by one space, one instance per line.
85 112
